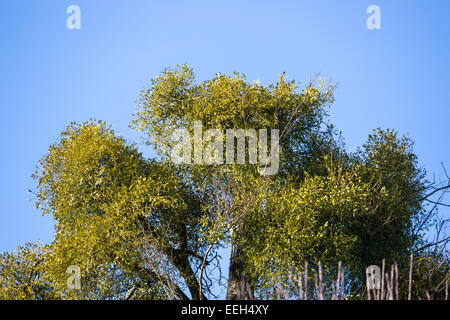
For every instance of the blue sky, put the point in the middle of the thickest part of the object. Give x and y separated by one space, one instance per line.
397 77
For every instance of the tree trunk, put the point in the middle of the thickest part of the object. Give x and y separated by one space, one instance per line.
238 286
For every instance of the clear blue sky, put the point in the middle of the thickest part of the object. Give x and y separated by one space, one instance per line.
397 77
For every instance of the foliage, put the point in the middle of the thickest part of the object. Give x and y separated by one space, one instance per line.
150 229
22 275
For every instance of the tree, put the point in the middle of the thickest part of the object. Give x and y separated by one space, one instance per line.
151 228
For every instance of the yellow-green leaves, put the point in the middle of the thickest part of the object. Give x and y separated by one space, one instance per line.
176 101
112 208
23 274
142 228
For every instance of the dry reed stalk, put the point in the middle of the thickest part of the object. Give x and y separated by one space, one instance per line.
396 282
386 292
320 282
338 280
382 281
316 286
342 283
391 297
306 280
367 284
446 289
410 276
300 286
